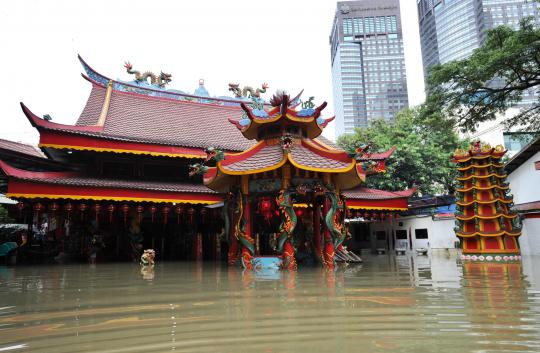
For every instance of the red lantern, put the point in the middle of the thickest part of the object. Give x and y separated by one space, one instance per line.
38 207
82 208
266 207
111 208
366 215
165 212
96 208
191 213
299 212
68 207
20 207
140 211
53 207
204 212
153 210
125 211
179 210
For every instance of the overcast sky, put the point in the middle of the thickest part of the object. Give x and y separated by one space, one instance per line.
282 42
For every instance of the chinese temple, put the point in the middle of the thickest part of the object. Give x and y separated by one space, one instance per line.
192 176
485 223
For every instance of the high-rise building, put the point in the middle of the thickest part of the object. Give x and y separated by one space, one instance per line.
368 64
451 30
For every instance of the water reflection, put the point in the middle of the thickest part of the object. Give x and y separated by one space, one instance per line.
388 304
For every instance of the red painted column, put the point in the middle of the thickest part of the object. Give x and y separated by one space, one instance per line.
328 253
232 255
317 246
246 254
197 247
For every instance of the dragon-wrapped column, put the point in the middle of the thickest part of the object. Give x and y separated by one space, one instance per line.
243 229
286 230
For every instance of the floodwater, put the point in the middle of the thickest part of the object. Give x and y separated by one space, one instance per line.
388 304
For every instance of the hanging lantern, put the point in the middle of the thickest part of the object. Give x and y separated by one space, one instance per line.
111 209
366 215
390 215
20 207
140 211
82 208
153 210
53 207
191 213
125 211
96 208
179 210
204 212
266 207
299 212
38 207
68 207
165 213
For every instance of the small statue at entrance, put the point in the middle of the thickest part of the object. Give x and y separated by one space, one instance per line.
147 258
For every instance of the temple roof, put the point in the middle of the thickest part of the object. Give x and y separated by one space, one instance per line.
119 112
375 194
22 148
28 184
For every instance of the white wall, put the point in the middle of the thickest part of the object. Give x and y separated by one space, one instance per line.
525 181
440 233
529 241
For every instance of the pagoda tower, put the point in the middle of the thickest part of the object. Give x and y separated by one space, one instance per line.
285 167
485 223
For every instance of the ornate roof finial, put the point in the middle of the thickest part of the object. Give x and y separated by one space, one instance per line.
201 82
247 91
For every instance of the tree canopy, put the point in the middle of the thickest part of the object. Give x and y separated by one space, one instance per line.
494 78
422 158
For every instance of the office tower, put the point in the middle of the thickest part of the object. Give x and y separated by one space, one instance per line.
451 30
368 64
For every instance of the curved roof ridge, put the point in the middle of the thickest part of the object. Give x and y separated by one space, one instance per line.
96 77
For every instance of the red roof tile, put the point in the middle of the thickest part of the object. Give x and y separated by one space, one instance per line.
374 194
268 156
308 158
22 148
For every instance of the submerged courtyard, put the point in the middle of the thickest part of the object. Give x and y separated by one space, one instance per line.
387 304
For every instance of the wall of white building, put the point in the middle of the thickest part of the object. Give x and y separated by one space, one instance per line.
525 186
440 234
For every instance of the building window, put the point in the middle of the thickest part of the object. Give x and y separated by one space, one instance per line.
401 234
515 141
421 233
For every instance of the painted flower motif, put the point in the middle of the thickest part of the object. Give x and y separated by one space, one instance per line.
505 258
474 257
463 257
489 258
519 257
481 258
498 258
468 257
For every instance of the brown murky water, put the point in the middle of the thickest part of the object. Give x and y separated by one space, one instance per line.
389 304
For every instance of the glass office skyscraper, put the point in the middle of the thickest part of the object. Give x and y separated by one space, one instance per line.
452 29
368 64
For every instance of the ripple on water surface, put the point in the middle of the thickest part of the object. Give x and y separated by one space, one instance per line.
388 304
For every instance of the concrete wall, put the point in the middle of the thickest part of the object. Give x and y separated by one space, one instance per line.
525 182
440 234
525 186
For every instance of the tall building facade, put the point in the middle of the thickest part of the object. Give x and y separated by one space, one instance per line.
368 63
453 29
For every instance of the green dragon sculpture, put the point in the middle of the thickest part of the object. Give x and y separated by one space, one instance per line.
248 244
213 154
285 236
334 219
197 169
161 80
247 91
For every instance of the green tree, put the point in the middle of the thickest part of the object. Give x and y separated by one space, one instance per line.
493 79
4 217
424 144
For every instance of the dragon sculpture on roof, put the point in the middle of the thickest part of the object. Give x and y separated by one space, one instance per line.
247 91
159 80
